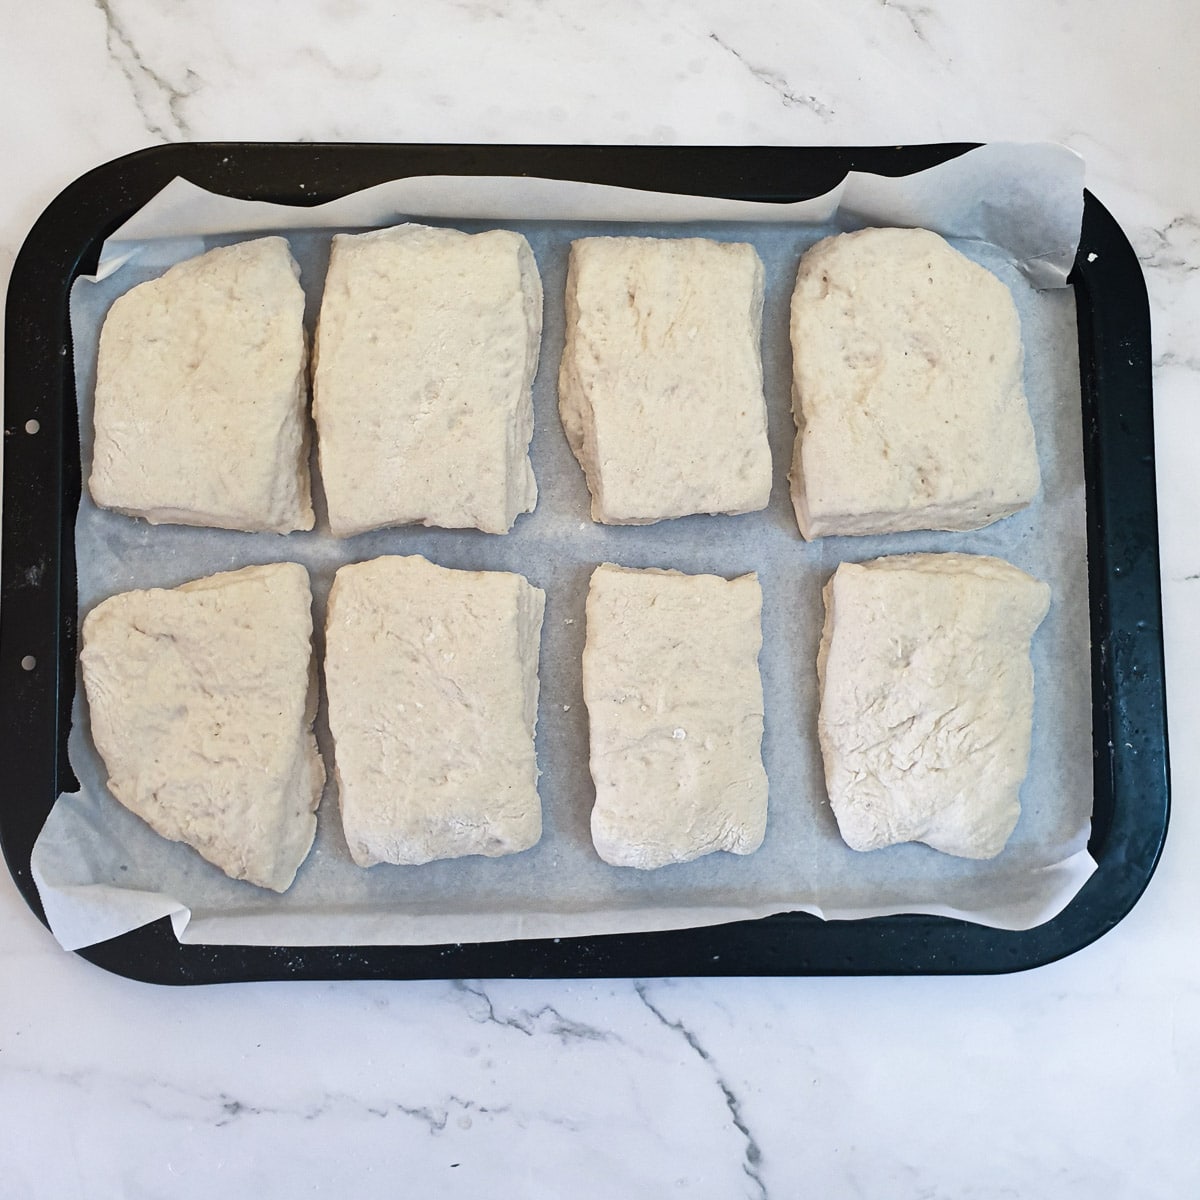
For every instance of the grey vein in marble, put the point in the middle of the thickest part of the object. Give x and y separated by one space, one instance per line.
546 1019
148 87
915 15
752 1163
434 1117
220 1109
777 83
1184 362
1175 248
347 71
479 11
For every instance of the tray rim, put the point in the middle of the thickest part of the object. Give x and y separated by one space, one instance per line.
38 611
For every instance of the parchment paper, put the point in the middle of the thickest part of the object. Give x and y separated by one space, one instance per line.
1017 209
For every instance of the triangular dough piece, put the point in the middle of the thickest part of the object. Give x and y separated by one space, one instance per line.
202 700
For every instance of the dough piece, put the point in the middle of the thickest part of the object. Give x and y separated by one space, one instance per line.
200 409
202 700
907 389
675 707
426 351
927 699
661 385
432 677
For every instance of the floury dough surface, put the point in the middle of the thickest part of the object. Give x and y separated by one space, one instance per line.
927 699
907 389
202 704
101 869
675 715
426 348
660 389
202 398
432 678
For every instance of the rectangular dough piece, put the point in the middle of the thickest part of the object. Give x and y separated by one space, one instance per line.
675 708
432 677
427 346
927 699
661 384
202 699
201 395
908 389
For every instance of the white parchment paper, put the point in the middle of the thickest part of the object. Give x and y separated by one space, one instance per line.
1016 209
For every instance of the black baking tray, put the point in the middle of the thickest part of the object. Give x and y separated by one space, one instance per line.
38 621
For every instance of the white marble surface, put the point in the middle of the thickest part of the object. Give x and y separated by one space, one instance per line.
1076 1080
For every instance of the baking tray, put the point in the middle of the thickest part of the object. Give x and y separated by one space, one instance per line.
38 622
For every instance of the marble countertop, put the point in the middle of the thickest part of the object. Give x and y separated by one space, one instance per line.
1078 1079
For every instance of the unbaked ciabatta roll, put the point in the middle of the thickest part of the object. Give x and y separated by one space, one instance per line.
907 389
927 699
